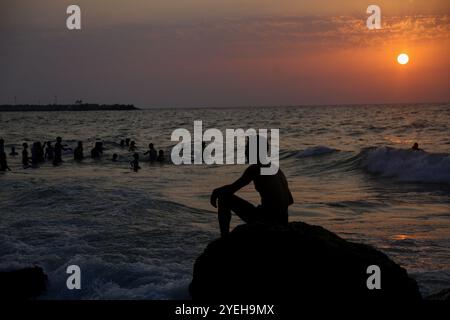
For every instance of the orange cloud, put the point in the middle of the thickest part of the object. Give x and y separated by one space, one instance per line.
332 31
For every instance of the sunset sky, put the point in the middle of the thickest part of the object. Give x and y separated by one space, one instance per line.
188 53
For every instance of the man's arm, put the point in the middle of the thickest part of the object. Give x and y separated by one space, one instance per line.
245 179
291 199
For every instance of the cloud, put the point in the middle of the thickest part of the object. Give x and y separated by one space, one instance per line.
247 35
285 32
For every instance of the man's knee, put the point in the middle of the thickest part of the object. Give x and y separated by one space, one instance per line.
224 200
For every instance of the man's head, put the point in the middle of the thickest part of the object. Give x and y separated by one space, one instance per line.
253 145
258 151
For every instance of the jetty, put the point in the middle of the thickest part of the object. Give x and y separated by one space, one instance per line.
65 107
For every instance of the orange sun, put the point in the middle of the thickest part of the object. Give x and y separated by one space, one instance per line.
403 58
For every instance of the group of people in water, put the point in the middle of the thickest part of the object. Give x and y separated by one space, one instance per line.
47 151
273 189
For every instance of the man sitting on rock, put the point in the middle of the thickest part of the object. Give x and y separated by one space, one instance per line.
275 199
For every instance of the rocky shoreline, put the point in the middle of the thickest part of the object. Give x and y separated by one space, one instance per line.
23 284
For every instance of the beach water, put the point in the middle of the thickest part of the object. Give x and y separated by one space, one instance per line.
137 235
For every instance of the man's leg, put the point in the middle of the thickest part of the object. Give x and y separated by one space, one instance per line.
244 209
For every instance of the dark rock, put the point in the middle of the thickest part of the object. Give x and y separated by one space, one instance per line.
443 295
22 284
294 262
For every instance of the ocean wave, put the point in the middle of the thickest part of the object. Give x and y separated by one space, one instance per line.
407 165
308 152
418 124
315 151
118 279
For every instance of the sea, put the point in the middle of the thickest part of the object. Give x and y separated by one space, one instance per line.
136 235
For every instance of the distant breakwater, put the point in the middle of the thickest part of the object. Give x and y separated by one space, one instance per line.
66 107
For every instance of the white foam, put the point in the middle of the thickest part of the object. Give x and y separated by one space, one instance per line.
408 165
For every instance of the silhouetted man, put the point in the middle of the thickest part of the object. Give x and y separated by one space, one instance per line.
58 149
78 153
152 155
415 147
275 199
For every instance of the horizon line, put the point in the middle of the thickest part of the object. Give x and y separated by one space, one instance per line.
291 105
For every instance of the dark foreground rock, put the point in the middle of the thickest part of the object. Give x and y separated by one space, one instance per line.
22 284
294 262
443 295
